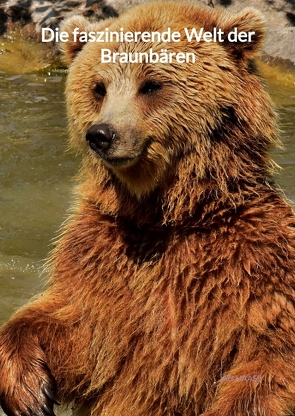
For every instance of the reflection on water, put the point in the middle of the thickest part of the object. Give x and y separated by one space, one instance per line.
36 172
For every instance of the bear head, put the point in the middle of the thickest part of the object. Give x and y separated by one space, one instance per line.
187 128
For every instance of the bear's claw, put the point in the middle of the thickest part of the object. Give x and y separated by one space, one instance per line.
49 394
47 409
32 403
49 397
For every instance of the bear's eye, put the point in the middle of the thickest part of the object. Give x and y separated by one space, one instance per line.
150 87
99 91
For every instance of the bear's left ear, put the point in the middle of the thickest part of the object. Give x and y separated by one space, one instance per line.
243 33
74 26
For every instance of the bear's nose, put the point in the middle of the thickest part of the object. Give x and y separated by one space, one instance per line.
100 137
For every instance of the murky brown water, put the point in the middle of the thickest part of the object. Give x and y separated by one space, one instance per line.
282 89
36 172
35 176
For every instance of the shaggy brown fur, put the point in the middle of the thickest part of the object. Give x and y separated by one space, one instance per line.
172 289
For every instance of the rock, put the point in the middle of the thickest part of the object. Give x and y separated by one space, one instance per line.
45 13
280 46
3 20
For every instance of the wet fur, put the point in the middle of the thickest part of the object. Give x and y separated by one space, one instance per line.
177 272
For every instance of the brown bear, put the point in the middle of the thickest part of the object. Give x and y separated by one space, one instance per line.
172 289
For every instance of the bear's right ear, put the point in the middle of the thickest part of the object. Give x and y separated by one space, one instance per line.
74 45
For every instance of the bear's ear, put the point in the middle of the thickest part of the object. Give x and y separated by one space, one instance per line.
243 33
74 26
73 44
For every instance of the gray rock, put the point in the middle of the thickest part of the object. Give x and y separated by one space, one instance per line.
280 46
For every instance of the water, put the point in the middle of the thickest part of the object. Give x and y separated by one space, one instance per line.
281 87
35 181
36 172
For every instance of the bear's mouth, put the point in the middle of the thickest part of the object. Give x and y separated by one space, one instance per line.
109 159
119 162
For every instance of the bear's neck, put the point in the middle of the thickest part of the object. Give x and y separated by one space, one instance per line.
180 203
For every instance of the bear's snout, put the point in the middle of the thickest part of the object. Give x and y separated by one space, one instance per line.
100 137
116 147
